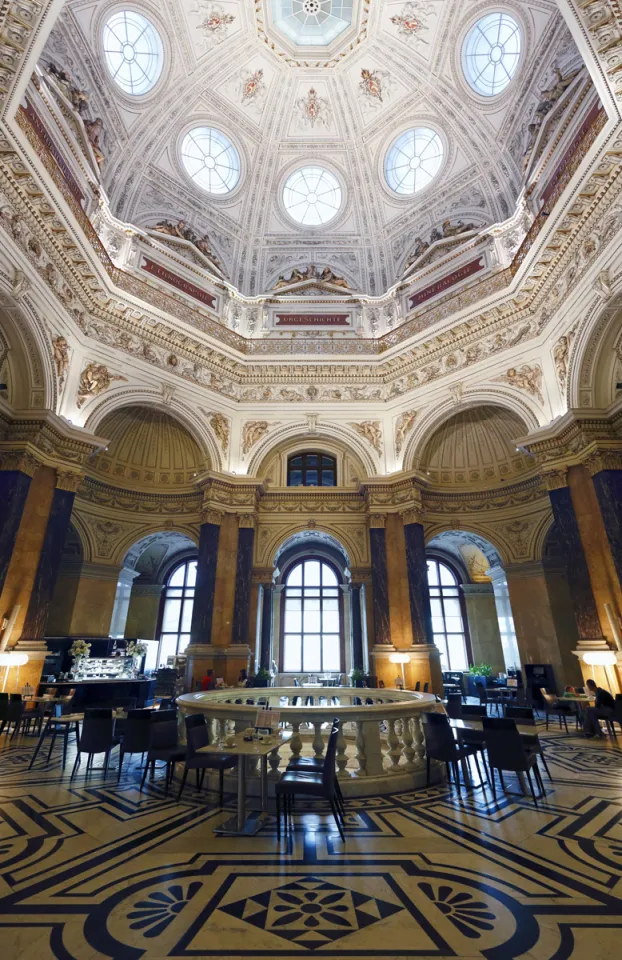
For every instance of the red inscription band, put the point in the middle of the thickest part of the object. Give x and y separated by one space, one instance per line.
449 281
163 274
37 125
312 319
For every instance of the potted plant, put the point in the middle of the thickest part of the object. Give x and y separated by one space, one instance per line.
79 651
478 673
262 677
136 649
357 677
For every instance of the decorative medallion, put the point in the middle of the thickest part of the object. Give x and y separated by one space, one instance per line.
214 24
411 22
373 84
314 109
252 87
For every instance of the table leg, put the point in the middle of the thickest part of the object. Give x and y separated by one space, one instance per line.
241 793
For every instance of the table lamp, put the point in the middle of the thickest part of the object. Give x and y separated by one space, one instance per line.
600 658
400 658
12 658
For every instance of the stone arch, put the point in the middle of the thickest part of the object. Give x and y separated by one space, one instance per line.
278 538
294 438
131 547
165 548
440 413
32 378
595 362
142 397
451 537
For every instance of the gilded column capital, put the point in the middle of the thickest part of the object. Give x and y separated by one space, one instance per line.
413 514
20 460
555 479
377 521
247 521
210 515
603 459
68 480
360 575
263 575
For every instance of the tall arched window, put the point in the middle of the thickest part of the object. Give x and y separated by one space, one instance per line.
312 634
447 620
178 600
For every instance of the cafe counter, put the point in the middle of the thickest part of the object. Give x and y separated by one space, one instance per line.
106 692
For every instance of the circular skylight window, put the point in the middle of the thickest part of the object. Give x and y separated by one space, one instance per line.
133 52
312 196
490 53
211 160
413 160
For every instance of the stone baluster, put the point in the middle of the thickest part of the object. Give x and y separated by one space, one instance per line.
360 749
419 739
395 751
274 760
318 742
295 743
408 750
341 758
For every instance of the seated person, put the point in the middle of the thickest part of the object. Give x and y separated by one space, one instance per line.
242 679
569 691
208 682
604 707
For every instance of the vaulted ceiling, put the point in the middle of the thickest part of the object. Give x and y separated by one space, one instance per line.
285 101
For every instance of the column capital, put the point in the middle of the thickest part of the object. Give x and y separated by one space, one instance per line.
531 568
45 438
413 514
247 521
68 480
603 459
477 589
209 515
19 460
555 479
377 521
263 575
360 575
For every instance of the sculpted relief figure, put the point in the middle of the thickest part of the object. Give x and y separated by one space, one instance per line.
94 379
311 273
183 231
252 432
61 358
448 229
370 430
94 129
548 98
525 378
403 426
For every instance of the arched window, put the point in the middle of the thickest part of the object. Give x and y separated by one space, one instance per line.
312 631
311 470
178 600
447 620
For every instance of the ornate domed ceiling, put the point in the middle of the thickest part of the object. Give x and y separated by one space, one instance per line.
146 448
476 446
206 118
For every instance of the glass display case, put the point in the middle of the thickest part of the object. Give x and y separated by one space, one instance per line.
106 668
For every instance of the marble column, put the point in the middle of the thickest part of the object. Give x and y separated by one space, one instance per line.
14 486
49 562
238 654
481 610
608 487
419 593
536 630
121 605
265 650
144 609
581 594
380 581
200 651
507 630
357 626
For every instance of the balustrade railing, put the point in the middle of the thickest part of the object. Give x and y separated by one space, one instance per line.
381 743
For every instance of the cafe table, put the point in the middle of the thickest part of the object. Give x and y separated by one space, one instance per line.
473 723
64 723
237 746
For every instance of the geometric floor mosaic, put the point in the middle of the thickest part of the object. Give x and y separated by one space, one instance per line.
89 869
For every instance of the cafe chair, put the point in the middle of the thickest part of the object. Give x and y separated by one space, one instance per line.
472 710
316 764
441 745
454 705
524 716
135 737
163 745
553 707
197 736
167 703
97 736
322 785
506 751
418 686
53 728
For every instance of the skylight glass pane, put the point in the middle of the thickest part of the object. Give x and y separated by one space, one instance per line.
490 53
133 52
413 160
312 196
211 160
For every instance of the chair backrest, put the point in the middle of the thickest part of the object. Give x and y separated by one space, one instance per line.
439 738
15 709
96 736
481 692
197 734
523 714
549 698
418 686
163 716
4 696
14 697
426 686
166 703
98 713
503 743
162 735
454 705
328 769
473 710
136 731
296 682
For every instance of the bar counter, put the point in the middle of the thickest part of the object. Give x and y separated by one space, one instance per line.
93 691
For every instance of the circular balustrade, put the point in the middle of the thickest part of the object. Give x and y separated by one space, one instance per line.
381 745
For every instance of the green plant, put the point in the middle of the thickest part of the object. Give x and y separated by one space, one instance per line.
481 670
263 674
357 675
79 649
136 648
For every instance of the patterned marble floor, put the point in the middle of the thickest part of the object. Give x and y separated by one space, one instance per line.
91 869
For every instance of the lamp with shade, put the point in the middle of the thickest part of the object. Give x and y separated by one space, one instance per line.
600 658
400 658
12 658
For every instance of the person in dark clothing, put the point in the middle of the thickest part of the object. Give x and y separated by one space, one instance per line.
603 709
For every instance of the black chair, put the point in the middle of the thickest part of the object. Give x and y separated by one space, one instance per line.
473 710
321 785
555 708
426 686
97 736
316 765
135 737
53 727
454 705
440 744
163 745
4 696
15 713
167 703
197 735
506 751
163 716
526 718
418 686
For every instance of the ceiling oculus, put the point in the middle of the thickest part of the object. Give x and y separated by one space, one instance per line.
413 160
211 160
490 53
312 23
133 52
312 196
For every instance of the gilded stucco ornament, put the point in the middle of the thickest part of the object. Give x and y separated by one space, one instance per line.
527 378
222 428
252 432
94 379
403 425
371 431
